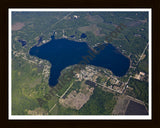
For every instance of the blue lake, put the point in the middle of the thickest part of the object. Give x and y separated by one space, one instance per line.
22 42
83 35
62 53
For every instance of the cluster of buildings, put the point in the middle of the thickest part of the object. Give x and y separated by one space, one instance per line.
140 76
75 16
114 84
46 71
45 41
89 73
23 55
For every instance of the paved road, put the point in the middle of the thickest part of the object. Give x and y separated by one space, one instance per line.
135 68
67 90
52 107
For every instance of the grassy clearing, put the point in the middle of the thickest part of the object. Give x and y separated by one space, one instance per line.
26 87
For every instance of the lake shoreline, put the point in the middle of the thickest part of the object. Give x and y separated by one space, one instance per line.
62 53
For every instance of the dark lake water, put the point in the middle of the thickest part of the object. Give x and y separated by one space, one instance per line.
22 42
62 53
83 35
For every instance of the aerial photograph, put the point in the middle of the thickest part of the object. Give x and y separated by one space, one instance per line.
74 62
